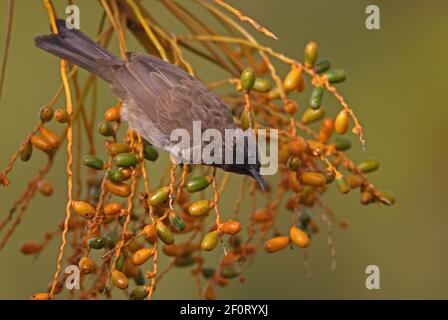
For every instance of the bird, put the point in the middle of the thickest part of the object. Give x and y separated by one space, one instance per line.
157 97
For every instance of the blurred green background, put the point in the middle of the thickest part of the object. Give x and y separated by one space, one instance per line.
396 85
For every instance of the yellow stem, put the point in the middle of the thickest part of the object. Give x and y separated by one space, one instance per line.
147 29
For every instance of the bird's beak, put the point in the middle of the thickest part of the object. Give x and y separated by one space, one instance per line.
257 176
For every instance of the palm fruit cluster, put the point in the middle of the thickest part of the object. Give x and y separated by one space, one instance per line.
121 221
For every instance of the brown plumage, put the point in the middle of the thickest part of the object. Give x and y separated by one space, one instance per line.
157 96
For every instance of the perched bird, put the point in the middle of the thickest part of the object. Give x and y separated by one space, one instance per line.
157 97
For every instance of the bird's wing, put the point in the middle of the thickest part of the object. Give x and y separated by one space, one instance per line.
169 97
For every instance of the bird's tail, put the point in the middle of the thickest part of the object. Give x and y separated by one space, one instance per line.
76 47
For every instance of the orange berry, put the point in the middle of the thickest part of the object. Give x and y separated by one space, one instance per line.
142 255
45 188
326 129
30 247
291 107
149 232
301 86
51 137
40 296
112 114
299 237
119 189
314 179
119 279
230 227
292 79
41 143
86 265
276 244
293 182
112 209
354 181
84 209
341 122
261 216
298 146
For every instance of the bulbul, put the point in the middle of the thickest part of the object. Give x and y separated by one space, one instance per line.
157 97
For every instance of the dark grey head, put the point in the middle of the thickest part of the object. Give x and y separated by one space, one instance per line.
250 166
252 170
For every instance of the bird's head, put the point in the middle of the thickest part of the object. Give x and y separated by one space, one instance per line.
250 166
252 170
